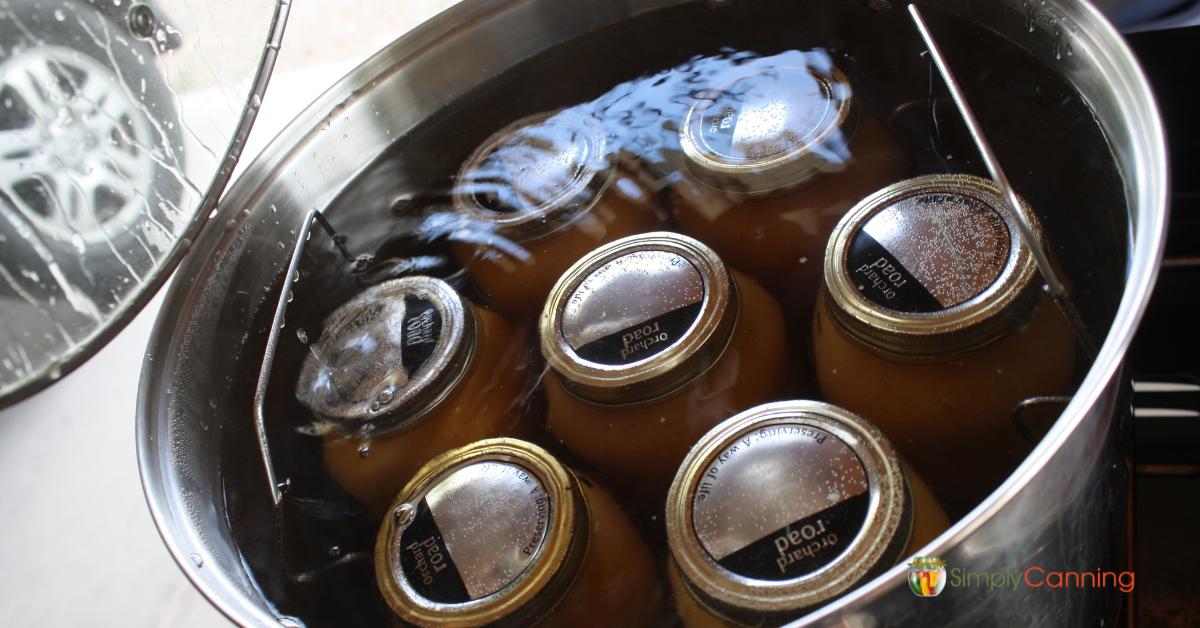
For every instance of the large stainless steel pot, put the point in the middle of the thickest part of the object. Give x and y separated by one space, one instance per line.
1064 508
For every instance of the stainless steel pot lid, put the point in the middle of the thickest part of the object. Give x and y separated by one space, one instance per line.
120 124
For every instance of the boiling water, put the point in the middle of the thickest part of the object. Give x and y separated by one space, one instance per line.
313 557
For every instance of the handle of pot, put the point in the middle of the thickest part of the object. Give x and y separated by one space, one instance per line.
1166 425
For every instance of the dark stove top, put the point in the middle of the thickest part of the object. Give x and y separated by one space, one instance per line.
1164 362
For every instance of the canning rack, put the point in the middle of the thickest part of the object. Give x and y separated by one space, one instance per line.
1053 286
278 488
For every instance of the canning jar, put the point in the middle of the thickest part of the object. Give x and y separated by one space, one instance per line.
404 371
499 532
535 197
774 153
651 340
785 507
931 324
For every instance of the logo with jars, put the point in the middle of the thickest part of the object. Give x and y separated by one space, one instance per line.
927 576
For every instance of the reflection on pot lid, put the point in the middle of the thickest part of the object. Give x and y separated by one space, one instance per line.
638 317
785 506
388 356
770 124
928 265
491 531
536 175
103 187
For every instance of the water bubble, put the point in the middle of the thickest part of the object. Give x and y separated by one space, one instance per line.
59 15
196 559
302 335
404 514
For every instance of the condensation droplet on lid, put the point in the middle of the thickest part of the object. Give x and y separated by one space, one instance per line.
196 559
404 514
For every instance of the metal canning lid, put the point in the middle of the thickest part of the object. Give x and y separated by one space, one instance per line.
771 124
786 506
488 533
928 266
536 175
639 317
388 356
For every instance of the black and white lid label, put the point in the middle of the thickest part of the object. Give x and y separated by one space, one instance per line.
781 502
475 532
633 307
929 252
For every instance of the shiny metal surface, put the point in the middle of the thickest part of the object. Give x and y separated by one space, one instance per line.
498 532
807 477
771 124
493 518
784 506
388 356
607 300
536 175
638 317
1063 506
930 266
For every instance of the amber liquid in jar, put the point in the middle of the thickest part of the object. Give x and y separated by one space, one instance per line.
405 371
774 157
785 507
931 325
537 196
556 549
651 341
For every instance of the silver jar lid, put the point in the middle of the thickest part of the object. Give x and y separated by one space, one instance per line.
535 175
928 266
488 533
388 356
786 506
770 124
638 317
